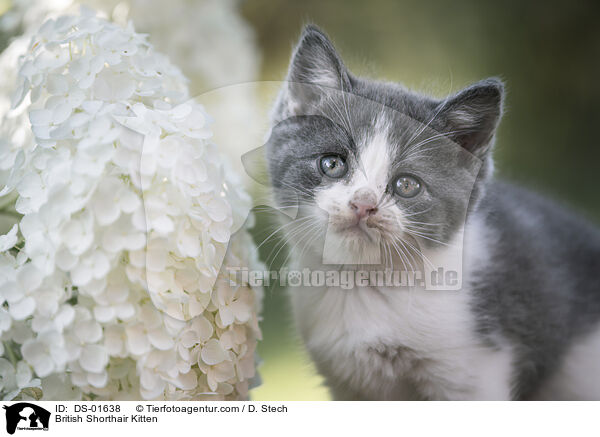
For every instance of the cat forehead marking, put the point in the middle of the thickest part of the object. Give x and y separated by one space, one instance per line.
374 158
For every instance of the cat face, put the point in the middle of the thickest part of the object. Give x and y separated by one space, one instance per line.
376 171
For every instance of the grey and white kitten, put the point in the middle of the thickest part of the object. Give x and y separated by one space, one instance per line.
358 156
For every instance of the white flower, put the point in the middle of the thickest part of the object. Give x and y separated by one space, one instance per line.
126 221
45 353
8 240
15 378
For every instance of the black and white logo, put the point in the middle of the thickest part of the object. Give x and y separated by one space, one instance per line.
26 416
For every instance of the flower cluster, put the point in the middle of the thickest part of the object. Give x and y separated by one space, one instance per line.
111 282
225 69
218 24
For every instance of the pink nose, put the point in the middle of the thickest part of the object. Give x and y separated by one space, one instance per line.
363 203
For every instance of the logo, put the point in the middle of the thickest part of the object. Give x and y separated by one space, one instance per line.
26 416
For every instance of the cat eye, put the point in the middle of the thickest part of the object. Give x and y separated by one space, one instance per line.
333 166
406 186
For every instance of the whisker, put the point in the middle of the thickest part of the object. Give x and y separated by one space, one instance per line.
285 241
415 148
428 232
416 234
298 189
418 212
307 242
423 223
409 253
441 106
280 228
400 254
420 253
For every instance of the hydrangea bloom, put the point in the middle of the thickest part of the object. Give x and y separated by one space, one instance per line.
233 58
225 70
111 283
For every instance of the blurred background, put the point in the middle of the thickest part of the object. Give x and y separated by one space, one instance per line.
548 54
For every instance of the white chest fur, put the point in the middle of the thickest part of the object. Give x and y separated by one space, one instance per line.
389 343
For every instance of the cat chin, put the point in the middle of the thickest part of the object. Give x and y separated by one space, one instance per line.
351 246
359 234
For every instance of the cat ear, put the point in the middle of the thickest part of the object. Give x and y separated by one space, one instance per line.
471 116
315 64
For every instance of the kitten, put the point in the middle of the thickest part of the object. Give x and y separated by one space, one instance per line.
384 177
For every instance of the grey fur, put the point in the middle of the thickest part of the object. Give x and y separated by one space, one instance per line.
540 290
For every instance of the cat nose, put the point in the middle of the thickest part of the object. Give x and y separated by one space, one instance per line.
362 209
363 203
